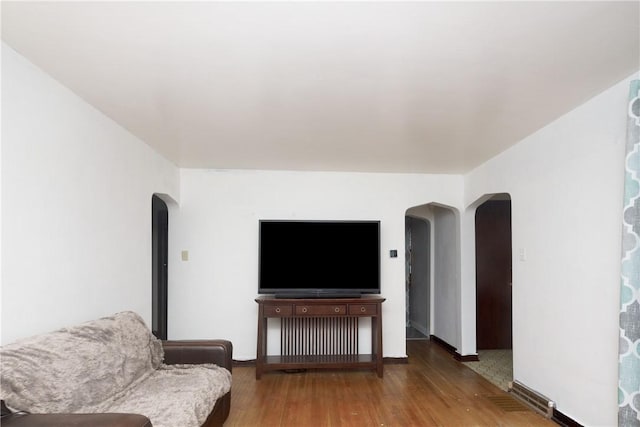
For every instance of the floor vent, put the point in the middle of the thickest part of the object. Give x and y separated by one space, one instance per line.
535 400
507 403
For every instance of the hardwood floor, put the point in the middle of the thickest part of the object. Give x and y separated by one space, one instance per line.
431 390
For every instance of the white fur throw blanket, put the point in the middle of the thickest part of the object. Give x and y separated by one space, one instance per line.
113 364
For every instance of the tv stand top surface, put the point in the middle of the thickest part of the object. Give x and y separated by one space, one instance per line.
316 296
298 297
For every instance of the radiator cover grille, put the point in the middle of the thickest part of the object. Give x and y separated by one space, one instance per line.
301 336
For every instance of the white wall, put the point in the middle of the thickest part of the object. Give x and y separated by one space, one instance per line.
212 295
565 182
76 207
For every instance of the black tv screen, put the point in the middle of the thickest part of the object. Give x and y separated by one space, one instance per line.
319 258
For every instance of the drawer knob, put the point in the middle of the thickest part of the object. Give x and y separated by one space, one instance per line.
337 309
277 309
362 309
304 309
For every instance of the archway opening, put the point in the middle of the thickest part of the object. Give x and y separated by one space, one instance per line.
432 272
493 266
159 266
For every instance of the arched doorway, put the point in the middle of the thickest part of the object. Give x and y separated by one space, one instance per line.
437 254
159 265
493 257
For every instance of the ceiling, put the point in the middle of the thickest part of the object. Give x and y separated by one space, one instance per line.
429 87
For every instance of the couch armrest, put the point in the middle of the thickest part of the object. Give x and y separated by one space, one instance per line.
219 352
78 420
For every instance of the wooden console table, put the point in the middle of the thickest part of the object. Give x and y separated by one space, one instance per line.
319 333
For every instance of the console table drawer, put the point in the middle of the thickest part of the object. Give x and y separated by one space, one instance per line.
363 309
315 310
277 310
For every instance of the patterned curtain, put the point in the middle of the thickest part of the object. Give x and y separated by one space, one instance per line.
629 361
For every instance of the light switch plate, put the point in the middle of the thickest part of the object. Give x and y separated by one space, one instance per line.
522 252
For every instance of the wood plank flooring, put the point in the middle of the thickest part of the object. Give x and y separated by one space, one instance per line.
431 390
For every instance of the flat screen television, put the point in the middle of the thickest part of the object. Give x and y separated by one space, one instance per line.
319 259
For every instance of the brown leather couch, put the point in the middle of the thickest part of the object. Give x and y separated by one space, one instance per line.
219 352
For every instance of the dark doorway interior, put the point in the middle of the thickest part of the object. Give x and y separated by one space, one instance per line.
493 275
159 260
418 275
